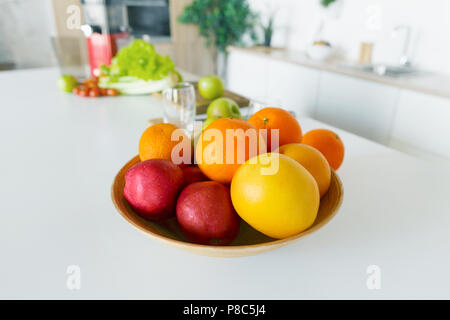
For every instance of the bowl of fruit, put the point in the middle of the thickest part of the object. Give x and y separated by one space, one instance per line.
232 200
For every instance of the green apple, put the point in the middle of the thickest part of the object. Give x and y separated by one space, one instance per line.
223 108
207 122
210 87
66 83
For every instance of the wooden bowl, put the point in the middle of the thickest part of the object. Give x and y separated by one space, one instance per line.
248 242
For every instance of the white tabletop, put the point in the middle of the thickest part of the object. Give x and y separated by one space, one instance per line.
60 153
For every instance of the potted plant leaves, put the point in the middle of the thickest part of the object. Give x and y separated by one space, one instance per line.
222 23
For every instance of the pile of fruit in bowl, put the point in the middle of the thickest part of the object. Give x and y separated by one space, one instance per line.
221 192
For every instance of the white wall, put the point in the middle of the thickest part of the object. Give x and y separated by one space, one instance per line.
25 29
348 22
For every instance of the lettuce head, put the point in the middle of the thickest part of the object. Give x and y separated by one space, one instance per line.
140 60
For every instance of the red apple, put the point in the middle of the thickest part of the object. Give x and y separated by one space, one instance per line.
152 187
206 215
193 174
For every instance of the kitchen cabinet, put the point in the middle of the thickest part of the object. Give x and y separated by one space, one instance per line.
422 122
362 107
292 87
188 47
247 75
273 82
407 120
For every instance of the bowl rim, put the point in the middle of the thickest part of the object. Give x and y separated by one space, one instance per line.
275 242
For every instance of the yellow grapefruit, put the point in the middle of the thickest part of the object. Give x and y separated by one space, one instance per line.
278 199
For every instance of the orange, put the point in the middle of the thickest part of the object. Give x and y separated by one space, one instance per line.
276 118
279 203
313 161
218 159
327 142
156 143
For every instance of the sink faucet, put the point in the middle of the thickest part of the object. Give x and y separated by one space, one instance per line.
404 59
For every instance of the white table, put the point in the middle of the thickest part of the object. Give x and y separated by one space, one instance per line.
60 153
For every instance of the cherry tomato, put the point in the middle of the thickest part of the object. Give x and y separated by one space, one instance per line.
103 91
94 92
84 92
112 92
76 90
90 83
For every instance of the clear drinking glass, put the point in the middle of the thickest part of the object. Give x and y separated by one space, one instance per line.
179 106
253 107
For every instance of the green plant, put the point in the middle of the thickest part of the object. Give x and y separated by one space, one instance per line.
326 3
268 30
221 22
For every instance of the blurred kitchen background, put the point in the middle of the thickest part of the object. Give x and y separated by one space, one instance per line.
377 68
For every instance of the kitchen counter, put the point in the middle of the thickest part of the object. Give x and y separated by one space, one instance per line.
60 153
428 83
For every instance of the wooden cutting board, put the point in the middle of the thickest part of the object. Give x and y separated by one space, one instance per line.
202 103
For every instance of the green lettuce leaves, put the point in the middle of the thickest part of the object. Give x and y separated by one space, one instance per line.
140 60
138 69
